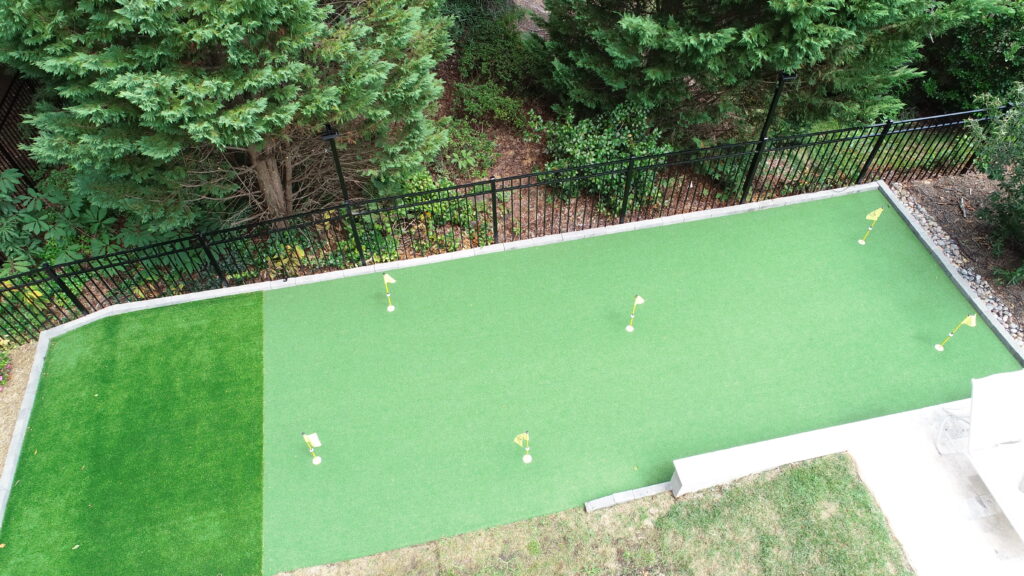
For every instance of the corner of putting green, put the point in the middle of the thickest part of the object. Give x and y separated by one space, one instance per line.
144 451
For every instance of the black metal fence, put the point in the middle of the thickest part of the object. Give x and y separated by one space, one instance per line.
478 214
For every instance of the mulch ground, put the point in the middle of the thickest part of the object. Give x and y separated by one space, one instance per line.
954 201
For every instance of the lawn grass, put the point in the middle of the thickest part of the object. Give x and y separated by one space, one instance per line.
756 326
814 517
144 450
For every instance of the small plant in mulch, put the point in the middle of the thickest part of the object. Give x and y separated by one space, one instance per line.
6 365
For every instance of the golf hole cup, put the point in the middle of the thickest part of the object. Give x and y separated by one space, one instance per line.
317 460
527 458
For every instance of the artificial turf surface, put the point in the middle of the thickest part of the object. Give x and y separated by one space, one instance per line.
144 450
756 326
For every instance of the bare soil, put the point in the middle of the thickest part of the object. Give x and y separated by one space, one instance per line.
13 393
953 202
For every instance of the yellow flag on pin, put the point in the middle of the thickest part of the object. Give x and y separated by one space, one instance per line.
388 279
522 439
639 300
874 215
971 320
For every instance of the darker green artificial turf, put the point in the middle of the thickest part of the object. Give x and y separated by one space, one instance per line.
144 448
756 326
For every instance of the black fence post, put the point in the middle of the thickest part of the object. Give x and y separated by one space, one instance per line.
213 261
330 135
64 288
874 151
762 141
494 211
628 190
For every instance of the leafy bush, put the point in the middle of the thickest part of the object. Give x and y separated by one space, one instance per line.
49 224
469 153
616 135
492 49
1001 155
488 102
984 55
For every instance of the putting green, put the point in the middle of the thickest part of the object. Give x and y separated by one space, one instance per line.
145 446
755 326
143 453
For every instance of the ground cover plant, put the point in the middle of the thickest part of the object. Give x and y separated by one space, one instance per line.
755 326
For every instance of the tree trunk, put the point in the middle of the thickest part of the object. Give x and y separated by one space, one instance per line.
276 190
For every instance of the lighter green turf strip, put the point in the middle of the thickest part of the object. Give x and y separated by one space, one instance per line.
756 326
144 448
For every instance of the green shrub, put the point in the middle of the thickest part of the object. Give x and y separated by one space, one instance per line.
489 102
470 153
616 135
985 55
493 49
1000 153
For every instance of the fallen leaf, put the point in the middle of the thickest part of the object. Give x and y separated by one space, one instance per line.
75 547
2 545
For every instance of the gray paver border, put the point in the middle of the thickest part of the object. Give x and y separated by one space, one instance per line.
951 272
21 426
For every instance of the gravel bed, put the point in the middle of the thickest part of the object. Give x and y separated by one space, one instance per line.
951 249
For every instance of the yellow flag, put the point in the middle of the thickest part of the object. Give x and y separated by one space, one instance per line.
639 300
522 439
875 215
388 279
971 320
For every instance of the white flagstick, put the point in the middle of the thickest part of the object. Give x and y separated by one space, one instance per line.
971 321
524 441
387 290
873 218
313 441
632 313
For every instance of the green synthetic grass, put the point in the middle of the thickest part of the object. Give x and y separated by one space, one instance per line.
144 450
811 518
756 326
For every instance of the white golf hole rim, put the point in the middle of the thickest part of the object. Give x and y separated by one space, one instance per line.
527 458
317 461
629 328
391 308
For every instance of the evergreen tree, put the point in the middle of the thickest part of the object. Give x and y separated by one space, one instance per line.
700 61
159 106
984 55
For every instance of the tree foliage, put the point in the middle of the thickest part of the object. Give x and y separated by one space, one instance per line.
161 108
983 55
1000 153
701 62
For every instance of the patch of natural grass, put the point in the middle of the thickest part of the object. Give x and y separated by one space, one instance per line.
814 518
143 452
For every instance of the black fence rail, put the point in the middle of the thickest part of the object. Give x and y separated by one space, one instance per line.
15 98
483 213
